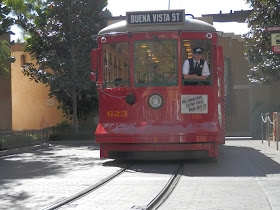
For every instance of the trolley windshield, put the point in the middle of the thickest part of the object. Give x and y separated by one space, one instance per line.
155 63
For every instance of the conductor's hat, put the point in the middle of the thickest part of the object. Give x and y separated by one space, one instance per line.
198 50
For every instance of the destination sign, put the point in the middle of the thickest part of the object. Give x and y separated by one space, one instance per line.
155 17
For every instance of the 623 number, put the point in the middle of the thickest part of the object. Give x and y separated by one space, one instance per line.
117 113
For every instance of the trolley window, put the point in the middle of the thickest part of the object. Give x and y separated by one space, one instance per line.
155 63
116 65
187 53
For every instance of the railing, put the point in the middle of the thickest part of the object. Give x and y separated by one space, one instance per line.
270 128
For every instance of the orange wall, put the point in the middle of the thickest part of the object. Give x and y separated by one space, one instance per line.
31 106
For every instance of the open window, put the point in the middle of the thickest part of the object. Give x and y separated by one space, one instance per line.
187 53
116 65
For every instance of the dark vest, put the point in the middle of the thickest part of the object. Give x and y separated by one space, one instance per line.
197 70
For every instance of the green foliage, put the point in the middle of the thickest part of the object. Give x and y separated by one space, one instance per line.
14 140
265 63
5 56
65 131
60 39
86 102
63 126
5 20
5 52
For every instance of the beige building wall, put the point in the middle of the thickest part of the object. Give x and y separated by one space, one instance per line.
31 108
237 100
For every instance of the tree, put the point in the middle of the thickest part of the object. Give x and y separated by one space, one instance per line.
5 52
5 20
61 41
265 63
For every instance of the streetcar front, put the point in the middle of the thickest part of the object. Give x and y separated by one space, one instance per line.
146 105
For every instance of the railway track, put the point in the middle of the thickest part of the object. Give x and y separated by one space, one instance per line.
87 190
155 200
165 192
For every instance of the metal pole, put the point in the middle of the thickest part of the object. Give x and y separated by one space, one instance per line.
266 129
267 125
262 125
0 141
277 130
169 5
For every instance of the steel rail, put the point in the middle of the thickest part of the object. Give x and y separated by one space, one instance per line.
165 192
87 190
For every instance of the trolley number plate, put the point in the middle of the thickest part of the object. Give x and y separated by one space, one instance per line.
117 113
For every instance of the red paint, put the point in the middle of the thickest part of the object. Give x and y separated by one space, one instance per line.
138 127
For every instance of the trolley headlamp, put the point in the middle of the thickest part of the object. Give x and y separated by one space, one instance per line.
155 101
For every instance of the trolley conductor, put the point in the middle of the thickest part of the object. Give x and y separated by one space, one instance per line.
196 67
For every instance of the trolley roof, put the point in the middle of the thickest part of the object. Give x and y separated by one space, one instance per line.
188 25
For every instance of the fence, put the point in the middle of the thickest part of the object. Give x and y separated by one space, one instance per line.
22 138
270 128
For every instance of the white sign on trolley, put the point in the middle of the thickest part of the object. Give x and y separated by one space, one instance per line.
194 104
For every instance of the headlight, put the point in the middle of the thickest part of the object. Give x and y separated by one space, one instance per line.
155 101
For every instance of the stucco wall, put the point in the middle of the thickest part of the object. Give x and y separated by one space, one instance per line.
32 108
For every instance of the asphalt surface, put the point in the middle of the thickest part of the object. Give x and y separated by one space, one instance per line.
246 176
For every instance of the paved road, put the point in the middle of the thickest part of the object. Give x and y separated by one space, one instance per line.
36 179
246 176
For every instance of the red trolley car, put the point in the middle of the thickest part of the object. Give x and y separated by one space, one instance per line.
146 105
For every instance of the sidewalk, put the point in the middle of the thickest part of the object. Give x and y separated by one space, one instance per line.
35 179
272 147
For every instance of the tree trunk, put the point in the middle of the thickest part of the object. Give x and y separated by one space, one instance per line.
75 112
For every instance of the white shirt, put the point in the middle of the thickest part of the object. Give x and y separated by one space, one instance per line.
205 69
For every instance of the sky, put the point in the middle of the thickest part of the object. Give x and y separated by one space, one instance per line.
194 7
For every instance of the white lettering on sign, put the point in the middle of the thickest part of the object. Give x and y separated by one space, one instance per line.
194 104
140 18
176 17
276 49
156 17
275 28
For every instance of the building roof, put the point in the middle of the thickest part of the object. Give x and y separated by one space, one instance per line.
233 16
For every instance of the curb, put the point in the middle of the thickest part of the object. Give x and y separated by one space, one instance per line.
23 149
74 143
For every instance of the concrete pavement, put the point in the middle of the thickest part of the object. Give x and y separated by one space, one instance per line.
246 176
